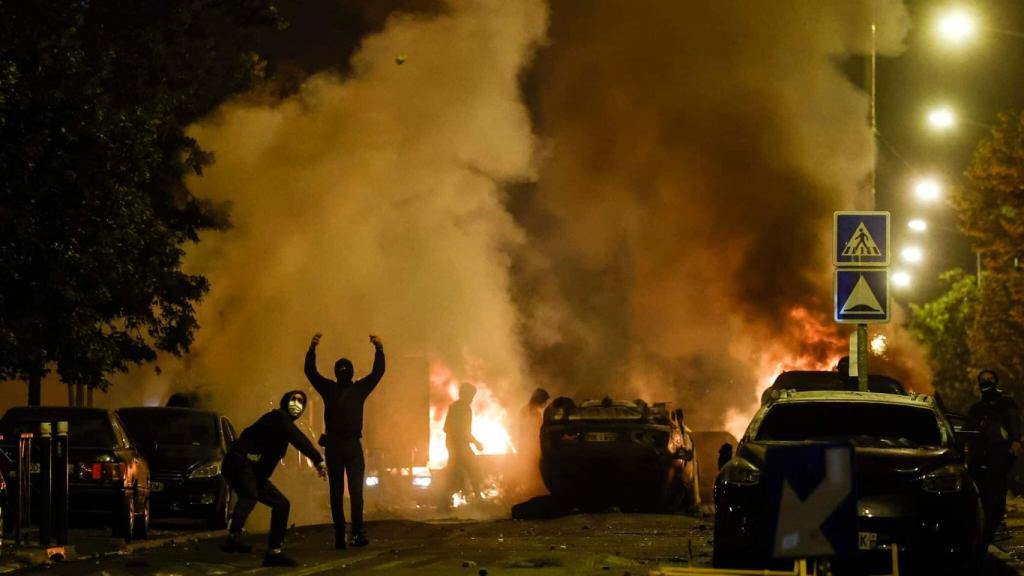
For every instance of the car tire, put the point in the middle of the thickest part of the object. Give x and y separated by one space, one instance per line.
124 518
140 529
218 517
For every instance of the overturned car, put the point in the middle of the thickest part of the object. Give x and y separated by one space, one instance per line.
632 455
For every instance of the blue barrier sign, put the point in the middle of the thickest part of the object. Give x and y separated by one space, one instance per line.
813 498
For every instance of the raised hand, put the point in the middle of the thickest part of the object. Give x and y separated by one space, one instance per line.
316 340
375 340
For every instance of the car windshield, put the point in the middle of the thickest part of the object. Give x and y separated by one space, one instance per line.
170 427
89 430
863 423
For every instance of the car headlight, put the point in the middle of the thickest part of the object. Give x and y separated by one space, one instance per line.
740 473
372 481
943 480
421 481
208 470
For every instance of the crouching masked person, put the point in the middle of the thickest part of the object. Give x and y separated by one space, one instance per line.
249 464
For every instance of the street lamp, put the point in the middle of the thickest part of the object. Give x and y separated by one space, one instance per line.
941 118
928 190
901 279
957 26
917 225
912 254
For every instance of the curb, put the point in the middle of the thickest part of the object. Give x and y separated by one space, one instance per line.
1007 564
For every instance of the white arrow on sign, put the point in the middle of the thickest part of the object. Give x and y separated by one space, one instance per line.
799 527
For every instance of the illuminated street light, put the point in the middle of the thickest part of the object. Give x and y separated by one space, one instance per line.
912 254
941 118
928 190
917 225
901 279
957 26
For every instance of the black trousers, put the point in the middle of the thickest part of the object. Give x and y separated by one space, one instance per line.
251 489
992 478
462 472
345 460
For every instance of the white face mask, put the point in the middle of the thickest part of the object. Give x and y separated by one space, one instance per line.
296 405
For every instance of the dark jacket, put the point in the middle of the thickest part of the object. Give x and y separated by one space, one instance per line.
264 443
997 418
458 424
343 401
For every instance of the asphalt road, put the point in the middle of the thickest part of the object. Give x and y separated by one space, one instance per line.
583 544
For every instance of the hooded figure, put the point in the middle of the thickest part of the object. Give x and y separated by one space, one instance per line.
459 439
997 418
250 462
343 418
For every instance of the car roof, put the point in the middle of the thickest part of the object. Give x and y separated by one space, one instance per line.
168 409
788 396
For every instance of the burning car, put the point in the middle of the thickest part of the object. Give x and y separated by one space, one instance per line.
633 455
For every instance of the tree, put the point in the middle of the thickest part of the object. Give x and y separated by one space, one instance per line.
991 211
943 326
94 212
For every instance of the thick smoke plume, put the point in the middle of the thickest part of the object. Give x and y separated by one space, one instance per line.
681 225
368 204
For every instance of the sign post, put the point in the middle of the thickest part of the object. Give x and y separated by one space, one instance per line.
861 256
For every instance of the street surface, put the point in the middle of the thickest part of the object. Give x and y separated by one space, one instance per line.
582 544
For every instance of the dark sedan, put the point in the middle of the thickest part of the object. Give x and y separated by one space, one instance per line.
184 448
108 476
913 489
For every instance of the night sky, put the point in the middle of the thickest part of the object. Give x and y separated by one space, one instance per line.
978 80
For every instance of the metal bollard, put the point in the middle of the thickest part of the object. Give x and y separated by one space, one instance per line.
45 481
23 510
60 488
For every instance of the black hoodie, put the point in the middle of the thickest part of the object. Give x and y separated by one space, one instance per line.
265 442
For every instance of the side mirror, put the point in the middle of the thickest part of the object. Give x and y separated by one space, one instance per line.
965 437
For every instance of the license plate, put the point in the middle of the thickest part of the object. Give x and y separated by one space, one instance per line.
601 437
867 540
156 486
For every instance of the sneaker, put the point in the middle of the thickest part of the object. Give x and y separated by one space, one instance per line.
279 559
231 545
359 539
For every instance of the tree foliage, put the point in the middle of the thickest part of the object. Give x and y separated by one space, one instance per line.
969 329
94 212
943 325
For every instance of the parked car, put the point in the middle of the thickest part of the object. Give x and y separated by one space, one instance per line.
604 453
913 488
184 447
108 476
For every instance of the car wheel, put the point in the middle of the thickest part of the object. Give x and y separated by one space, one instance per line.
124 519
218 517
140 530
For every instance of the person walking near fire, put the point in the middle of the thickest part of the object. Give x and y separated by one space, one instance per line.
343 419
459 439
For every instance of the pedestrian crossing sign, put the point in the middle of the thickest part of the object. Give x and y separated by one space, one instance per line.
861 239
862 296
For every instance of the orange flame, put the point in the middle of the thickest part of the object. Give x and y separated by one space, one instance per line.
819 348
489 416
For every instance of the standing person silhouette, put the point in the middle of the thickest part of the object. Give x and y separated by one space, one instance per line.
343 419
